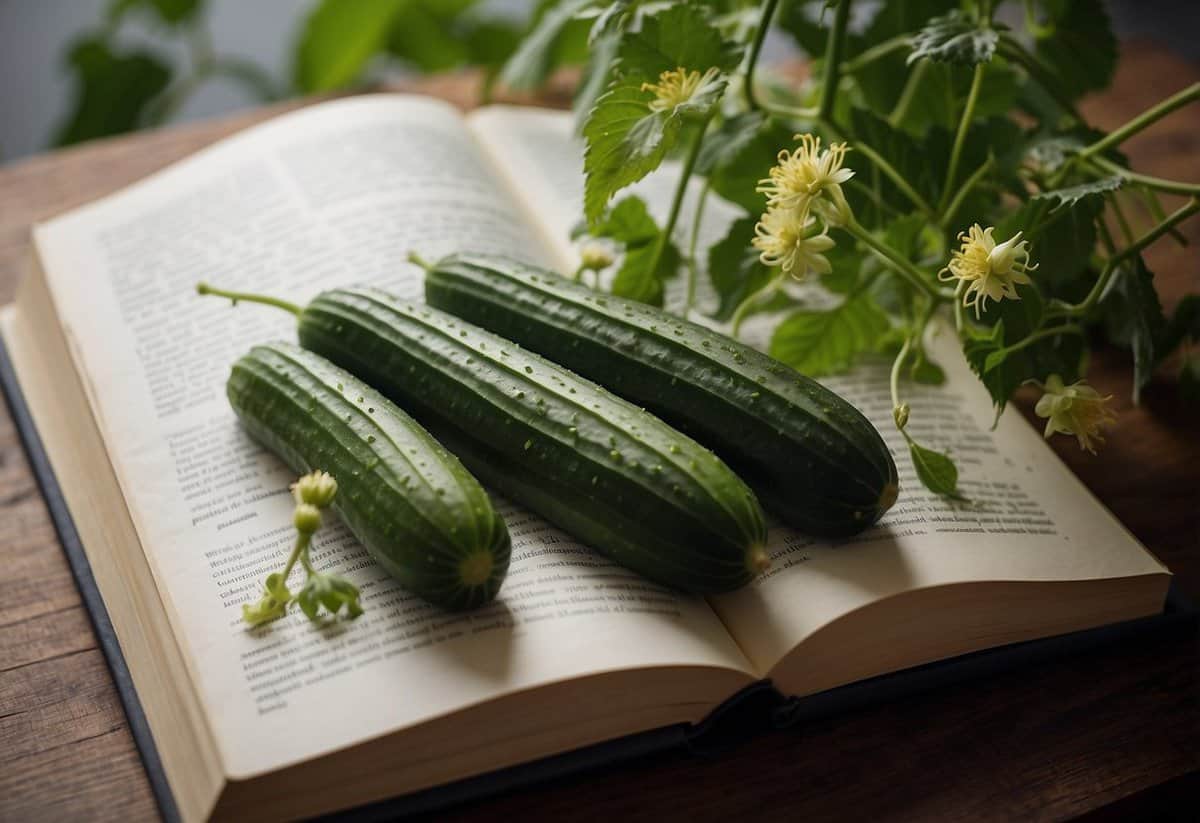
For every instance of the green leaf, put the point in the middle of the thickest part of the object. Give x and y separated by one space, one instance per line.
532 62
626 140
1061 243
942 88
338 39
113 90
1134 317
738 155
999 372
955 38
329 591
629 223
1081 48
935 470
639 278
1185 323
272 605
596 77
734 268
1072 195
817 343
171 12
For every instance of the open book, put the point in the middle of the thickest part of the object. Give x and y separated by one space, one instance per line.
182 515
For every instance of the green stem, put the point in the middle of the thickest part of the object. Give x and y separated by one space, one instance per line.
960 321
833 59
1150 115
1098 288
907 94
960 138
1042 334
971 182
897 364
417 259
693 268
1122 220
743 309
760 34
689 163
1156 183
876 52
889 255
300 550
886 168
237 297
1154 205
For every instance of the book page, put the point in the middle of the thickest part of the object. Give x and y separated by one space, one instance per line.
333 195
1030 519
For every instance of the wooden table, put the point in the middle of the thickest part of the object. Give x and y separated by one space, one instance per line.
1117 730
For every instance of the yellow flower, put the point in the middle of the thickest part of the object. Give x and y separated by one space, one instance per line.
678 86
810 177
784 238
987 270
1077 409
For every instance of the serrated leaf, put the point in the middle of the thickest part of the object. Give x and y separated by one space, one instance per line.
741 158
935 470
1000 378
1072 195
1081 48
818 343
955 38
338 39
1061 243
529 66
1134 317
114 90
734 268
628 222
626 140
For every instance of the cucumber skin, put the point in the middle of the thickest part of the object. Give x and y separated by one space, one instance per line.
602 469
289 400
813 459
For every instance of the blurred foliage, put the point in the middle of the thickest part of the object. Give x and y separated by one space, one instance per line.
121 88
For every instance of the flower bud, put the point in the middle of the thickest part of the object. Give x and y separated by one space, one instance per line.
317 488
306 518
595 256
900 415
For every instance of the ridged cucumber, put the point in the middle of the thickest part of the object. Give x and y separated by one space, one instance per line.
606 471
411 503
812 457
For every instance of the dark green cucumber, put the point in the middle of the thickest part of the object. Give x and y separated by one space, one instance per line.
812 457
604 470
411 503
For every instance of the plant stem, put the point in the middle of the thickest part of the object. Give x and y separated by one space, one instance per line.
960 138
689 163
1122 221
897 364
1150 115
1098 288
1042 334
743 309
760 34
886 168
972 181
876 52
237 297
1156 183
1154 205
693 273
907 94
300 549
833 59
889 255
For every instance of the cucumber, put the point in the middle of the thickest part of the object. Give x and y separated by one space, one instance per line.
411 503
604 470
813 459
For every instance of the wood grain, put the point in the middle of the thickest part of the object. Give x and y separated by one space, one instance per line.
1044 743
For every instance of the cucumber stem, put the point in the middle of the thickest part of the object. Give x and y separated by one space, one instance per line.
414 257
757 559
237 296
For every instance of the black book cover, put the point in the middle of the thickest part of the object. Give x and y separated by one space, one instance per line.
753 710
